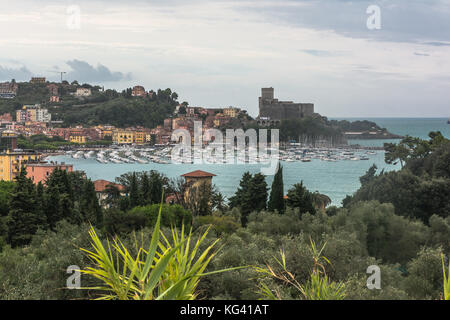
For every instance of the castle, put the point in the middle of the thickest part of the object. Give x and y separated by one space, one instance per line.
272 111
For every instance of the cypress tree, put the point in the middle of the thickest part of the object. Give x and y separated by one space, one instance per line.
276 201
134 191
89 206
23 219
145 195
258 193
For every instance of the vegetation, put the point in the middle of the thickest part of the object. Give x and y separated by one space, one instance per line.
167 270
421 189
102 107
398 221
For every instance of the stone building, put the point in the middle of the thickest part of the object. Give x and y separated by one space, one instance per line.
138 91
272 111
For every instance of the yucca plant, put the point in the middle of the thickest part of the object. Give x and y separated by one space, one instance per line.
165 271
446 280
317 287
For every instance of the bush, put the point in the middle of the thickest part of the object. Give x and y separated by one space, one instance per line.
220 224
119 222
171 214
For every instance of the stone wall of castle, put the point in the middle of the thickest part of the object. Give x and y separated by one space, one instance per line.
274 110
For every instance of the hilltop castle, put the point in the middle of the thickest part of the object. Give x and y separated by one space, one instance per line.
272 111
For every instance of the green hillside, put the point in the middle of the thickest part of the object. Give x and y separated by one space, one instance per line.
102 107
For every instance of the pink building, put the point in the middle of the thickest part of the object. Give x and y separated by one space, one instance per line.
39 172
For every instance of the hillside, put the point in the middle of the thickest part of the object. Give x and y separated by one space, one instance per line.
102 107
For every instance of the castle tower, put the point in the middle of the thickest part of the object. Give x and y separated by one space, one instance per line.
267 93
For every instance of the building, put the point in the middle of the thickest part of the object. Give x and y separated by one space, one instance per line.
83 92
8 90
37 80
77 138
123 136
54 99
13 159
33 113
272 111
138 91
101 187
53 89
231 112
39 172
6 117
195 179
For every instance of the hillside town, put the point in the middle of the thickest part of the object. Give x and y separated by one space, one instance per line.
35 119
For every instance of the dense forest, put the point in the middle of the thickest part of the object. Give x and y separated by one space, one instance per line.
398 221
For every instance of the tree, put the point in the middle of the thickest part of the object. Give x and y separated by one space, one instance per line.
134 191
24 219
320 201
243 188
299 197
89 206
251 195
276 201
369 175
199 199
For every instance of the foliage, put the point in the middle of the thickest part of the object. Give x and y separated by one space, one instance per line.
171 215
276 200
425 276
250 196
221 224
412 196
446 280
318 286
167 270
299 197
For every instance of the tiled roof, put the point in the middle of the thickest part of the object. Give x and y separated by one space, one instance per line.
198 174
100 185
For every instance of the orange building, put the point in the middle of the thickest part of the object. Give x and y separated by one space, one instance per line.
196 179
38 172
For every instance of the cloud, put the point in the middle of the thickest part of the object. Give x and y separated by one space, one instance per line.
438 44
84 72
320 53
401 20
20 73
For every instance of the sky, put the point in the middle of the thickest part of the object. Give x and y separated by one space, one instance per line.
347 60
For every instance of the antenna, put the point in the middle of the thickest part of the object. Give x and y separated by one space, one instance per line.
61 72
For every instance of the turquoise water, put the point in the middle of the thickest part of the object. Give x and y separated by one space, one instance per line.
335 179
417 127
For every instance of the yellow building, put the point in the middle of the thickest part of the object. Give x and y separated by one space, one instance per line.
123 137
77 139
231 112
140 137
12 161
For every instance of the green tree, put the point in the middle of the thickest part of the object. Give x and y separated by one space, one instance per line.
24 220
276 201
299 197
89 206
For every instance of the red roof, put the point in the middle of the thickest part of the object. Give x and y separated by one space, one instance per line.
100 185
198 174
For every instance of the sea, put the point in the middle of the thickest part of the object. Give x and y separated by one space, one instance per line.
335 179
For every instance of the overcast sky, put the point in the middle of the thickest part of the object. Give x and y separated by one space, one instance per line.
220 53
